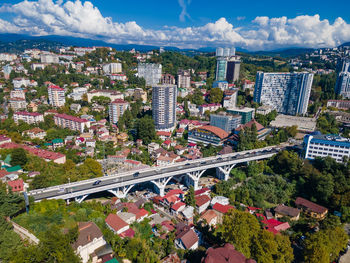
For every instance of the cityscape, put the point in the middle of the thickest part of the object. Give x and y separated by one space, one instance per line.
178 151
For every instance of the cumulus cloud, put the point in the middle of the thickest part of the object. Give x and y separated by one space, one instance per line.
83 19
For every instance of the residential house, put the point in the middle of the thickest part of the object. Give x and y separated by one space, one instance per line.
225 254
202 203
187 214
209 217
314 210
90 239
16 185
272 225
286 211
177 207
4 139
116 224
187 239
164 135
221 210
35 133
127 217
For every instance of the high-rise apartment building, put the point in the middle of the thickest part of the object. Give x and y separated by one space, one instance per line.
184 78
233 67
164 106
152 73
56 96
112 68
287 93
117 109
167 79
222 56
342 86
71 122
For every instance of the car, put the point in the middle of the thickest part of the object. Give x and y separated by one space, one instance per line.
136 174
187 164
97 182
220 158
61 190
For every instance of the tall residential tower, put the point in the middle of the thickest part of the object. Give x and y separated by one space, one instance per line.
287 93
342 86
164 106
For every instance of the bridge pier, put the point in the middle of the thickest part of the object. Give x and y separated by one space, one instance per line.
223 173
121 192
161 183
195 178
80 199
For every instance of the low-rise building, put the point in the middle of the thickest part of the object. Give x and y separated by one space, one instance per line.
225 121
246 113
209 217
187 239
16 185
28 117
320 145
17 103
35 133
209 107
207 135
90 239
116 224
225 254
264 110
71 122
291 212
202 203
313 210
340 104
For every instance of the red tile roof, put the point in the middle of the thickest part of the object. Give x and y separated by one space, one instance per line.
222 208
26 113
70 118
215 130
177 206
202 191
225 254
3 173
250 124
35 151
128 233
55 87
189 239
115 222
201 200
16 185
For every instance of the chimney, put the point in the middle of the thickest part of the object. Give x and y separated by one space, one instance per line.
89 237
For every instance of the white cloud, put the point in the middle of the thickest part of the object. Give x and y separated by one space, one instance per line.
83 19
183 4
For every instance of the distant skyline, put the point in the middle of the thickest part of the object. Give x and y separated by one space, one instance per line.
252 25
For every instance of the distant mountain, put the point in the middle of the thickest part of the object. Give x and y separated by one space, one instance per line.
284 53
347 44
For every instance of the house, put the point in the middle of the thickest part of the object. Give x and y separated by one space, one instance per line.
187 239
209 217
282 210
272 225
16 185
179 132
35 133
221 210
220 200
187 214
164 135
152 147
127 217
164 161
57 143
202 203
116 224
252 209
172 258
203 191
314 210
177 207
225 254
4 139
90 239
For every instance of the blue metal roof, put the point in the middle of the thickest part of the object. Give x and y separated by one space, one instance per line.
330 142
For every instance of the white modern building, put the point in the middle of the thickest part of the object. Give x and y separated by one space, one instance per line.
112 68
342 86
56 96
184 78
164 106
19 82
78 93
152 73
287 93
320 145
71 122
49 58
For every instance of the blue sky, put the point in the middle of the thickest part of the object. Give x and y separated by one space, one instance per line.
251 24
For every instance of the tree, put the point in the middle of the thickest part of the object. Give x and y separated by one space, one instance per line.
216 95
190 197
18 157
91 168
146 130
325 245
197 97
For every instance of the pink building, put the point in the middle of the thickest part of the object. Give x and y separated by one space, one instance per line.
71 122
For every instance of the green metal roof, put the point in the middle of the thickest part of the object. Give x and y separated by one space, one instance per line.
113 260
14 168
57 141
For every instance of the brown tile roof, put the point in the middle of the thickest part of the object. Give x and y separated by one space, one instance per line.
225 254
209 215
189 239
310 205
201 200
287 211
216 130
115 222
250 124
87 232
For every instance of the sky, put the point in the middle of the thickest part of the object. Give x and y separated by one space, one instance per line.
252 25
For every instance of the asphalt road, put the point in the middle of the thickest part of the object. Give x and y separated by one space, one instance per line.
108 180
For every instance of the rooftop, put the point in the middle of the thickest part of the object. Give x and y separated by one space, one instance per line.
215 130
310 205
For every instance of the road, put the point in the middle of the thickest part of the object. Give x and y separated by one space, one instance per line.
129 178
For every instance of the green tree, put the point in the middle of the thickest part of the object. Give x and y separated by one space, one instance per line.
18 157
190 198
146 130
216 95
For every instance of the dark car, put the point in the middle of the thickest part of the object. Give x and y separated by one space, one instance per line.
97 182
136 174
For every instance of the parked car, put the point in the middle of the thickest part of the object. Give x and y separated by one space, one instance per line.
97 182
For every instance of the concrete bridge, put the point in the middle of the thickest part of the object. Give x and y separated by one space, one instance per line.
120 184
